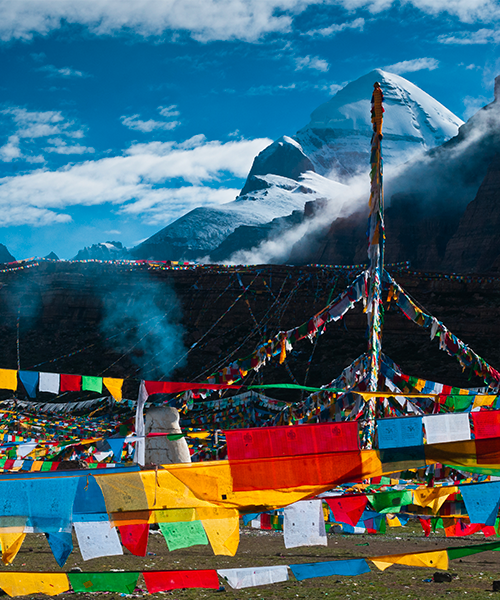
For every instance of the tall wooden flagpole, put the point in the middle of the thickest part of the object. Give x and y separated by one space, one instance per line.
376 239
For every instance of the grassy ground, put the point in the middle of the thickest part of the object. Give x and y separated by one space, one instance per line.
473 576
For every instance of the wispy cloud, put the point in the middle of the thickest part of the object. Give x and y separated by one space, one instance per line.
27 129
209 20
481 36
135 123
136 181
63 72
332 30
314 63
410 66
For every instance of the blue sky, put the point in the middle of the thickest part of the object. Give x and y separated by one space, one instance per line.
118 116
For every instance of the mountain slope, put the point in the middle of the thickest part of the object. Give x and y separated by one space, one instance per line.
293 170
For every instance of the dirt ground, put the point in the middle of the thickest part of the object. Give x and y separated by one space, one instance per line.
472 576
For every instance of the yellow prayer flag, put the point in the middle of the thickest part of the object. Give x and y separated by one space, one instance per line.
22 584
434 498
8 379
114 387
484 400
222 528
11 544
436 560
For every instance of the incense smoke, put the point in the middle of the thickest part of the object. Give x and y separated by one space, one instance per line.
148 321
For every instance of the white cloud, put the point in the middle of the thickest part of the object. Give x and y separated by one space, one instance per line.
64 72
30 128
135 123
204 20
481 36
473 104
134 180
337 28
311 62
410 66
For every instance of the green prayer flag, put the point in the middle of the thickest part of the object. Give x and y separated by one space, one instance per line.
468 550
459 402
183 534
92 384
390 502
120 582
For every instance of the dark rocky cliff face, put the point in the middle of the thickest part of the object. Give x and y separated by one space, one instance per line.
61 308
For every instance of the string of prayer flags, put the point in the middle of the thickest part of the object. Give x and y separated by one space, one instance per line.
347 509
119 582
163 581
304 524
347 568
251 577
175 387
482 502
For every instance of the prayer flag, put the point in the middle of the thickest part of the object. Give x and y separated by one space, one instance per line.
267 442
482 501
92 384
447 428
120 582
97 538
61 544
11 544
135 538
8 379
486 424
183 534
390 502
30 380
24 584
347 509
454 553
114 387
304 524
162 581
333 567
49 382
222 528
250 577
71 383
400 432
436 560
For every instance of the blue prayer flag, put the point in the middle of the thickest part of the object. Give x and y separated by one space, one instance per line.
30 380
482 501
398 433
333 567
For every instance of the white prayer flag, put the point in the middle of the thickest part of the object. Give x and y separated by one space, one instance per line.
447 428
243 578
304 524
97 538
49 382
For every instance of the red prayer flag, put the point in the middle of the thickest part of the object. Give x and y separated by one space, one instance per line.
265 521
175 387
488 451
135 538
486 424
71 383
347 509
426 525
294 471
162 581
296 440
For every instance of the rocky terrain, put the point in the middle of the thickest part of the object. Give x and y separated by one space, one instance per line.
60 313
